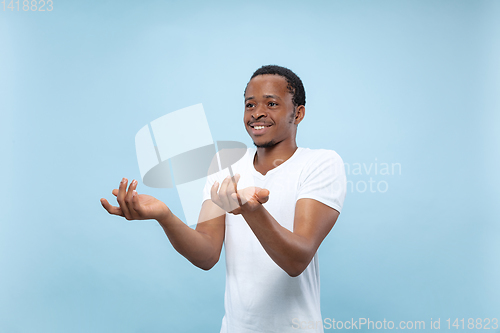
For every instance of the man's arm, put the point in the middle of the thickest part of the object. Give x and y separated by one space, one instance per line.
292 251
201 247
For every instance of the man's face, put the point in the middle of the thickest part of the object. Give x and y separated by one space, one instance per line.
269 111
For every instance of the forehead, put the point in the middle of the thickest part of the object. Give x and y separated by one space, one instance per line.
267 84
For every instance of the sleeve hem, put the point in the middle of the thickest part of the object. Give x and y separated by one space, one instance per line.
323 201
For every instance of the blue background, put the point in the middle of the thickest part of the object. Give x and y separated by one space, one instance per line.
409 82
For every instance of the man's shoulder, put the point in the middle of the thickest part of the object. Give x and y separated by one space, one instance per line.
320 155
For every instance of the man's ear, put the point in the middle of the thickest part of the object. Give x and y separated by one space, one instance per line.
300 112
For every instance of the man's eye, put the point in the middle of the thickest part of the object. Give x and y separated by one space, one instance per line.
249 105
272 104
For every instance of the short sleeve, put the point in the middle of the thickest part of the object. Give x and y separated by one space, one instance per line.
324 180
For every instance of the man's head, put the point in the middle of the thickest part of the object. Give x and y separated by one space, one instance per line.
274 106
295 86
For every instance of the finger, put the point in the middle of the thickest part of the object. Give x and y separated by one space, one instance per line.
223 194
233 199
236 198
263 195
111 209
244 195
115 192
122 192
135 203
128 199
236 179
231 188
214 195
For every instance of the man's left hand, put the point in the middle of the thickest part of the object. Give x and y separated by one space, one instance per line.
238 201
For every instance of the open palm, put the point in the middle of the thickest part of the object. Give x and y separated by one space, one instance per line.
134 206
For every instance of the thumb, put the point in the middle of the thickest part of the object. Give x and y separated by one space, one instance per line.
263 195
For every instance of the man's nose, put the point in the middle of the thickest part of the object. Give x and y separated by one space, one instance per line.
259 112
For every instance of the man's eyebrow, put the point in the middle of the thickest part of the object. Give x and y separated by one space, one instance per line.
272 96
265 96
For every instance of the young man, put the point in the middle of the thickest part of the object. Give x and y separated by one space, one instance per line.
272 215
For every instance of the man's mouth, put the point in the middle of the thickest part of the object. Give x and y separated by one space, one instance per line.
259 125
259 128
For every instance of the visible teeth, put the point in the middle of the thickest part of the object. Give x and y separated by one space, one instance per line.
258 127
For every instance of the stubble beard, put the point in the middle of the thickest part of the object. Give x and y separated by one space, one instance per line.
273 143
269 144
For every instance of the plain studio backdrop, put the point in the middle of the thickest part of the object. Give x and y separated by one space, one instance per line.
407 92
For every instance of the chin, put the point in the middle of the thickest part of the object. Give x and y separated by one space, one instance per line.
269 144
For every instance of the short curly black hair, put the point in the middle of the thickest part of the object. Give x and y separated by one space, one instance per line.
295 86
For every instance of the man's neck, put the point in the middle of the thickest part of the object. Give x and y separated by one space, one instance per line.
269 158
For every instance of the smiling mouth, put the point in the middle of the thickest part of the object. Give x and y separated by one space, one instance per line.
258 127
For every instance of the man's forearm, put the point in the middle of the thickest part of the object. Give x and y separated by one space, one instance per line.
195 246
290 251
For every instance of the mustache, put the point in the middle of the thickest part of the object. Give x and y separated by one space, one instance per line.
260 123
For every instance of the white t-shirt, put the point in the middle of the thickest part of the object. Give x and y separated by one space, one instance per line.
260 296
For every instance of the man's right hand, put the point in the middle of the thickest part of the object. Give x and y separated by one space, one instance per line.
134 206
201 246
